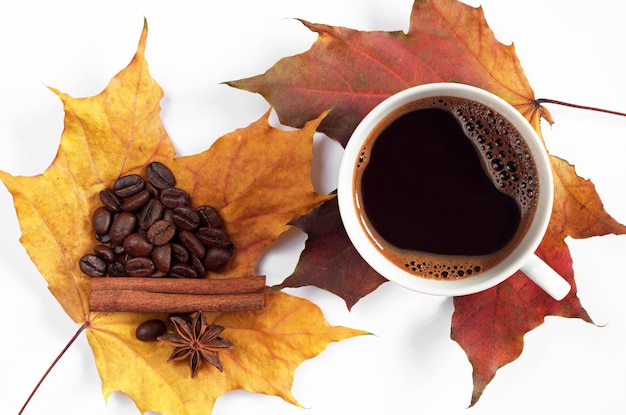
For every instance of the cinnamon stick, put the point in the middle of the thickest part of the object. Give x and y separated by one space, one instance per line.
177 295
142 302
181 286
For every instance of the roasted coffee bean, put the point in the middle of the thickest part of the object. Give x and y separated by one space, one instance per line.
105 252
214 238
118 249
153 190
180 253
103 238
209 216
101 220
139 267
183 271
192 243
197 264
136 244
159 175
168 214
136 201
158 274
92 265
150 213
122 226
162 257
117 269
150 330
110 201
126 186
216 258
161 232
174 197
185 218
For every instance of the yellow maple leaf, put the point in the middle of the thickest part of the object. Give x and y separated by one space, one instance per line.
257 177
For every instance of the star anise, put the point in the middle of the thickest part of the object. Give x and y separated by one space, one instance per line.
196 341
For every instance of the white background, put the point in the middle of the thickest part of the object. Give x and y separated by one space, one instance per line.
571 50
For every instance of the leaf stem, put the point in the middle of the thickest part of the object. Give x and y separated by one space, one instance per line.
583 107
67 346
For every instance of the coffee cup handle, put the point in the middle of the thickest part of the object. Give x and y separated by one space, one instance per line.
546 278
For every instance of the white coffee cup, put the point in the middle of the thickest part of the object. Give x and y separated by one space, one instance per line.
522 257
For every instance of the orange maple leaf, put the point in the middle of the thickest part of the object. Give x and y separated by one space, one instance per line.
257 177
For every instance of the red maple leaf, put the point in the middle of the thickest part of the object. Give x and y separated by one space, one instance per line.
351 71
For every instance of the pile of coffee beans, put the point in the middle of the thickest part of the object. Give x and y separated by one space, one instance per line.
147 228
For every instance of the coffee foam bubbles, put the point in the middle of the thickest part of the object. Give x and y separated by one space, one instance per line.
509 164
504 154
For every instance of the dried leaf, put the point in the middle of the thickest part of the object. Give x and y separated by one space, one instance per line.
257 177
268 347
351 71
490 325
578 211
259 180
329 260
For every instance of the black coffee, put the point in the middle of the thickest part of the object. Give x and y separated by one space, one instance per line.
447 187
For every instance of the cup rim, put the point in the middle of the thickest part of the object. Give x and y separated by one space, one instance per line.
392 272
